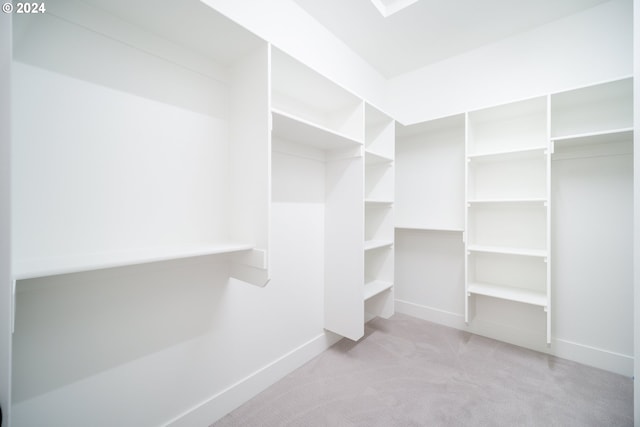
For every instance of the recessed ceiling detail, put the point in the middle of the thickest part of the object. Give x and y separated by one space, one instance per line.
389 7
415 33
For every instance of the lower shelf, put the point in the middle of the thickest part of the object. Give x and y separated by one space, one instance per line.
375 287
33 268
510 293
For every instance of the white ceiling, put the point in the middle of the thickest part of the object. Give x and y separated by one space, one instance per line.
429 31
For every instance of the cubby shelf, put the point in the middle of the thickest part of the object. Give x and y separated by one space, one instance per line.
507 154
292 128
507 201
33 268
375 287
507 250
376 244
372 158
510 293
374 202
427 228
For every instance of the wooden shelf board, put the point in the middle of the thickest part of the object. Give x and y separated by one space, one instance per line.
375 287
375 244
507 250
43 267
295 129
510 293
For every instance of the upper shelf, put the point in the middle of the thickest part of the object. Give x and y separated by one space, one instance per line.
594 109
299 91
296 129
34 268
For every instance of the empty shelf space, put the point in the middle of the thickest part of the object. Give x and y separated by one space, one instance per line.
375 287
376 244
510 293
43 267
507 250
296 129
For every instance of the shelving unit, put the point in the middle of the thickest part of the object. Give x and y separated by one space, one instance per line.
508 209
378 293
318 149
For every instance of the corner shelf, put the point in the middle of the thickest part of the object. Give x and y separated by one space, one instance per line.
510 293
44 267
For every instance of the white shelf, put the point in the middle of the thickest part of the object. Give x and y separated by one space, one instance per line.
510 293
507 250
378 202
372 158
43 267
622 132
508 154
296 129
375 287
507 201
427 228
375 244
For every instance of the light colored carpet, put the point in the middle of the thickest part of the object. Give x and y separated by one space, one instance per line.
409 372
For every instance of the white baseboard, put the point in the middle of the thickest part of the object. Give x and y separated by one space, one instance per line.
227 400
597 357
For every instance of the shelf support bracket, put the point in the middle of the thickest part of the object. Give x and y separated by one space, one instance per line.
13 306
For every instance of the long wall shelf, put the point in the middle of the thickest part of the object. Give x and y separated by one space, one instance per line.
34 268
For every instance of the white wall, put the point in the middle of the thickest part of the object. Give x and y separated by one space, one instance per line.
584 48
5 208
292 29
636 217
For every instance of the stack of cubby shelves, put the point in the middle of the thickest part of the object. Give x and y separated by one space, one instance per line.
507 200
319 125
379 233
